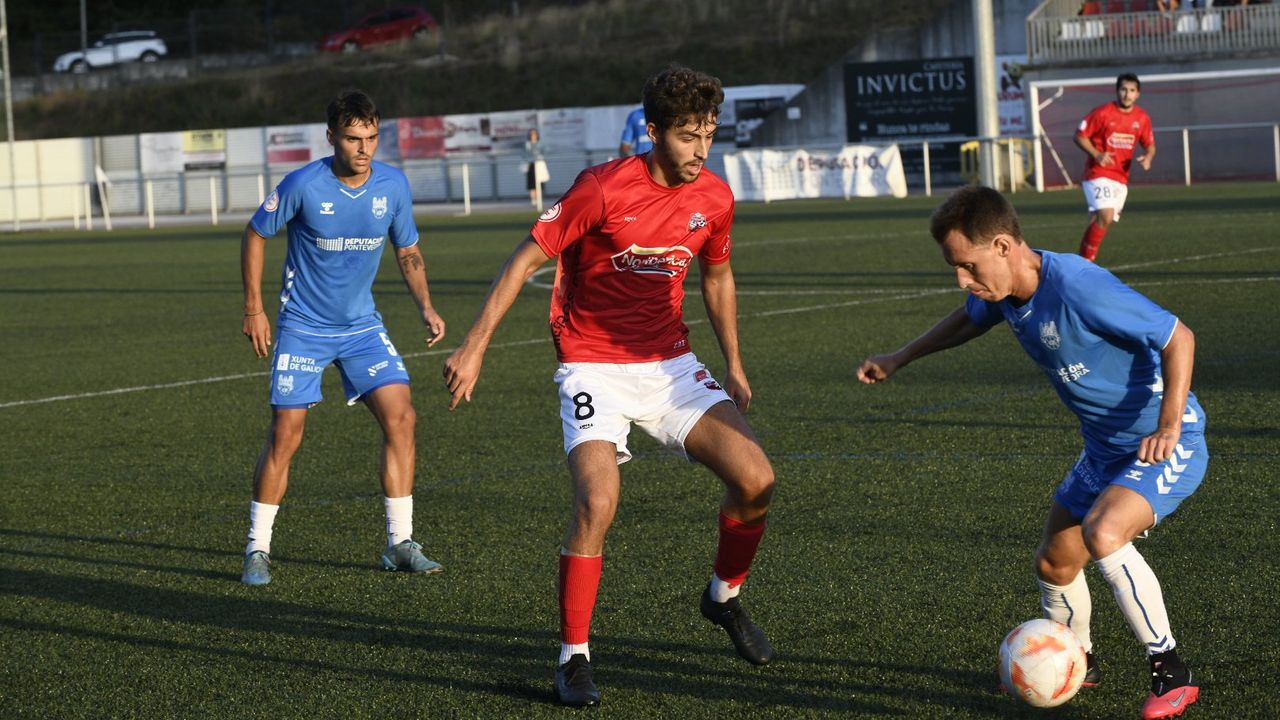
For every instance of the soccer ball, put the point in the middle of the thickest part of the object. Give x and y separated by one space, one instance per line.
1042 663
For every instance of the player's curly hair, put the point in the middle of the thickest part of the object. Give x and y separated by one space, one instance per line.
352 108
978 212
677 95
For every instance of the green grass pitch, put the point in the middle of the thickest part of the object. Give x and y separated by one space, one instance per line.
899 549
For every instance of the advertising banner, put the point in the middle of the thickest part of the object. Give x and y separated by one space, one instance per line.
204 149
160 153
851 171
289 144
563 130
421 137
1010 96
910 99
466 133
509 130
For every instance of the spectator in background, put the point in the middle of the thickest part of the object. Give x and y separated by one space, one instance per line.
535 168
635 135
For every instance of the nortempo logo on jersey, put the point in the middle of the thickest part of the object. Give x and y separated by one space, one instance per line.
668 261
1121 141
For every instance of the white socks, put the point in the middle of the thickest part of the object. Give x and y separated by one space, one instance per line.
261 517
399 519
721 591
568 650
1138 593
1070 605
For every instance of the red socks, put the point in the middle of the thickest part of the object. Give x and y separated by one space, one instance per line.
1091 240
579 580
738 543
580 576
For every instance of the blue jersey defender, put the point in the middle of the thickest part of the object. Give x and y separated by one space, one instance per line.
1123 365
327 315
340 211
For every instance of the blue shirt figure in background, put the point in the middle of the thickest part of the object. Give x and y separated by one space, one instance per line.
635 135
1123 365
339 211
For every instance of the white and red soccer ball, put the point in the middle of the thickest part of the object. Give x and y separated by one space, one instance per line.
1042 663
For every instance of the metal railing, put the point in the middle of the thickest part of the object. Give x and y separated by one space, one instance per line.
1055 33
1187 154
1218 152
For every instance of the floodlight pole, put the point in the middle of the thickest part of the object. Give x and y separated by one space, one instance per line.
984 65
8 115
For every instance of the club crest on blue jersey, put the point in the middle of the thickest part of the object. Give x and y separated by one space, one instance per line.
1049 335
284 384
380 206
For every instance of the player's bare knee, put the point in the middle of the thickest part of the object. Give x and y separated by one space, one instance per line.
597 509
1054 571
1102 537
285 438
754 488
399 425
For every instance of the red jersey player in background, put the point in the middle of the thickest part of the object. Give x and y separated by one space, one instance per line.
1108 135
625 236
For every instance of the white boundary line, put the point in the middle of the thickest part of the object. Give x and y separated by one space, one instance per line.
905 295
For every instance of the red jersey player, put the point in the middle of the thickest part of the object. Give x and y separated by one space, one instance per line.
1108 135
625 236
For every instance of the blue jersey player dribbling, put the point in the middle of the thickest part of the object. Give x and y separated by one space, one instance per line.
1123 365
340 211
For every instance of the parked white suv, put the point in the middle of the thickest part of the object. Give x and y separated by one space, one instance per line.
113 49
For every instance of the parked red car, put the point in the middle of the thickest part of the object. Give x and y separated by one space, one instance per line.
391 25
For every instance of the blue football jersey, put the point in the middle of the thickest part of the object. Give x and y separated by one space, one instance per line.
636 132
1099 341
336 236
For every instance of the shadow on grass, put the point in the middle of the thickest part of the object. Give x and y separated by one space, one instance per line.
234 555
223 620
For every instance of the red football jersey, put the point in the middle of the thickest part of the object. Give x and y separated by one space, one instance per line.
1112 130
624 245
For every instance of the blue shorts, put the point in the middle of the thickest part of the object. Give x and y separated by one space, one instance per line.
1164 485
366 359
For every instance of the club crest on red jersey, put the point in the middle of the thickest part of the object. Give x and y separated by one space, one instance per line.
551 213
668 261
697 220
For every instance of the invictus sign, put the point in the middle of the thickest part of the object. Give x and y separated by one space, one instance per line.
910 98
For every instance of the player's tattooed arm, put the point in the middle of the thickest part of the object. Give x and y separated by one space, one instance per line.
414 270
411 260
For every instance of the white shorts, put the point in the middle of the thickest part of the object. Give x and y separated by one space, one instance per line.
599 401
1102 193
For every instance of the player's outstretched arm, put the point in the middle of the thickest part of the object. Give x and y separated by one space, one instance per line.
462 369
720 295
414 270
1176 362
952 330
256 326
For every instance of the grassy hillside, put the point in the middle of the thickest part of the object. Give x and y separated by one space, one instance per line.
587 53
